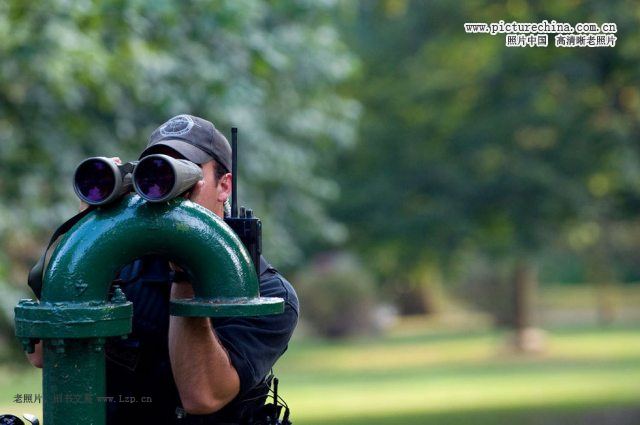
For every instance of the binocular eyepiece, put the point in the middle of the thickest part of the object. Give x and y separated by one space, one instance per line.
156 178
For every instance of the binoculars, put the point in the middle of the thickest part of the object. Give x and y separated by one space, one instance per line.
157 178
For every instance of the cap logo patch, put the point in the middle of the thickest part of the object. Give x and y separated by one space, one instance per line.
177 126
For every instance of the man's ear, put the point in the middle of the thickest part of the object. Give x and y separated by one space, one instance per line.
224 187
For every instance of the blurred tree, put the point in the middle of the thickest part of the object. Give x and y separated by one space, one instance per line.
469 146
339 297
96 77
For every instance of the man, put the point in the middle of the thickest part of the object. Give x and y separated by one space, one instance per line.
192 370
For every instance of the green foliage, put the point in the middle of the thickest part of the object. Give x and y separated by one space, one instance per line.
96 77
467 145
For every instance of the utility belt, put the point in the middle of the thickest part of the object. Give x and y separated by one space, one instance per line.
253 412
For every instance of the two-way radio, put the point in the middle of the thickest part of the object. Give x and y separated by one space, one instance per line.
246 225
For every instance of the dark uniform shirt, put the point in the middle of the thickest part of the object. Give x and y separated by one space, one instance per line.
139 376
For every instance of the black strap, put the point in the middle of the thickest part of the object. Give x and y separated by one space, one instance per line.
35 275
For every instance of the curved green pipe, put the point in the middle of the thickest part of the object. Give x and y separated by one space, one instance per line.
74 315
88 258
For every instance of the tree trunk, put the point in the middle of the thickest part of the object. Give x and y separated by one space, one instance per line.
525 288
602 275
421 292
527 338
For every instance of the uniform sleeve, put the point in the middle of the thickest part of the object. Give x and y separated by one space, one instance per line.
255 343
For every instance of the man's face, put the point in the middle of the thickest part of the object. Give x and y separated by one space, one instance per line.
210 192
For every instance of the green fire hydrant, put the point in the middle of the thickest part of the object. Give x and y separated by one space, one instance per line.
74 315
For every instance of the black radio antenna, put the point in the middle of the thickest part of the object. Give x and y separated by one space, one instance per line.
245 224
234 171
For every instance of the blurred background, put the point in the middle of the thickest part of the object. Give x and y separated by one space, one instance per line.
459 218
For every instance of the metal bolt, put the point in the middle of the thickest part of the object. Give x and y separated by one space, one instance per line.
97 344
118 296
58 345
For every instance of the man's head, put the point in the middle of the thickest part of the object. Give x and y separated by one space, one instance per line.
196 139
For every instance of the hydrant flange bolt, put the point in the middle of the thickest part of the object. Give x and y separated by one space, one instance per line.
98 344
58 345
118 296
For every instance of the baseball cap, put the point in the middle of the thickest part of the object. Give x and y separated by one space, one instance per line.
195 138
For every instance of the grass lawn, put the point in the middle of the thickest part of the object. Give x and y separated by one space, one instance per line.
425 377
418 375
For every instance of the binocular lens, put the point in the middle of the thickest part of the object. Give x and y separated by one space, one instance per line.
154 178
95 180
157 178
